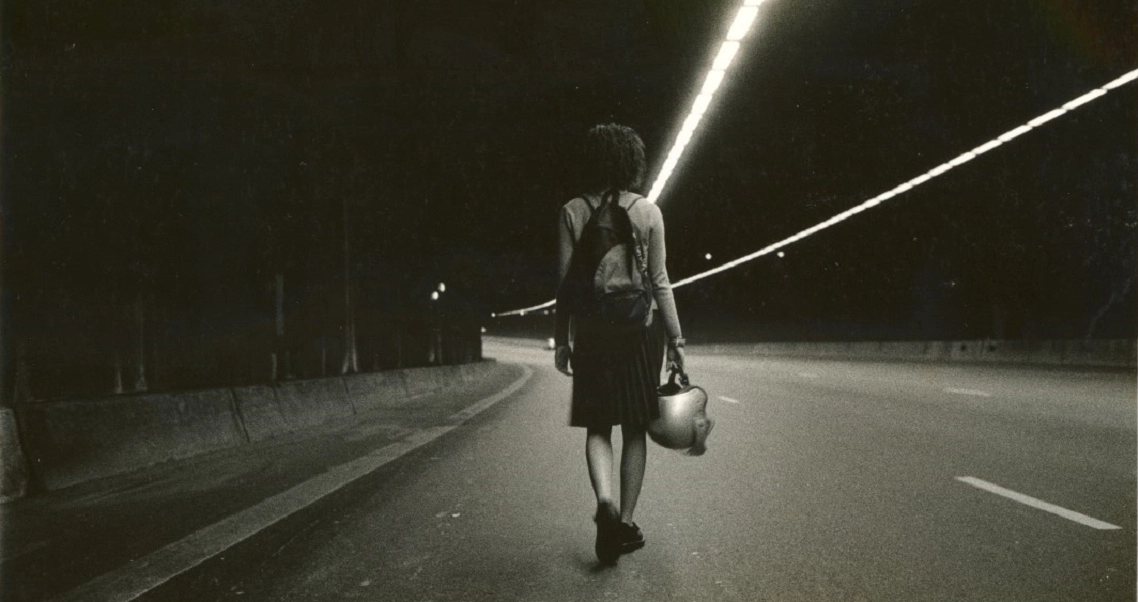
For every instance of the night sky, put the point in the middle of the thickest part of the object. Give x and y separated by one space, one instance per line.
182 153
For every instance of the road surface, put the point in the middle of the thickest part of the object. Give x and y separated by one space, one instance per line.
825 480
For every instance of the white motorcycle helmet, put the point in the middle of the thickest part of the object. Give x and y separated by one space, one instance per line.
683 423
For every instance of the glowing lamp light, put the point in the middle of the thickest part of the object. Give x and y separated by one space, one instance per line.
921 179
711 84
1120 81
726 55
442 287
962 159
703 100
684 138
1044 118
434 295
742 24
701 103
691 122
914 182
1085 98
987 146
1021 130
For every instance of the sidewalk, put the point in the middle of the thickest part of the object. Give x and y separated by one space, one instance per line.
56 541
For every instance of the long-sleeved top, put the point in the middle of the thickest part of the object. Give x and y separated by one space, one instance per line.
649 224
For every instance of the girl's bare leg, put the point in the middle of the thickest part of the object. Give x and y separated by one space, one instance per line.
633 457
598 455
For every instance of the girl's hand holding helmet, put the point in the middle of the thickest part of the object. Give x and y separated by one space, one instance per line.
675 355
675 359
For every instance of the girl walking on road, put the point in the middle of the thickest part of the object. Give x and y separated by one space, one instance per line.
616 371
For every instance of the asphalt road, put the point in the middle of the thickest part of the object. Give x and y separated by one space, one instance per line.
824 481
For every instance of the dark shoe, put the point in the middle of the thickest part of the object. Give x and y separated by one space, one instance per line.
631 538
608 533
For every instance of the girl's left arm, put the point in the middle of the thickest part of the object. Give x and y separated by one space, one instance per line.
658 272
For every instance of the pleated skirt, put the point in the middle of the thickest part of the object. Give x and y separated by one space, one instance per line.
616 375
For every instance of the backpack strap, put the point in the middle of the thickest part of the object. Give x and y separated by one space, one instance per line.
640 258
601 201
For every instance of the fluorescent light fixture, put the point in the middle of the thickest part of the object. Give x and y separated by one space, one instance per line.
711 84
742 24
744 19
701 103
683 138
1085 98
1125 79
921 179
1023 129
962 159
1044 118
726 54
691 122
987 146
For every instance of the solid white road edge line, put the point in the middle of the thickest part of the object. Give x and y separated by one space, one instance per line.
973 392
728 399
144 574
1080 518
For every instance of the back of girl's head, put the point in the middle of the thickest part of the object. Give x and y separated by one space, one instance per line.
613 159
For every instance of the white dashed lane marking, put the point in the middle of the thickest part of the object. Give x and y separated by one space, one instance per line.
972 392
1078 517
728 399
808 375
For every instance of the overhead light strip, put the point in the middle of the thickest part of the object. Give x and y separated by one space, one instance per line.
744 19
899 189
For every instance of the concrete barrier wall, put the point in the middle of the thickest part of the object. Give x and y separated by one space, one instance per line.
73 441
305 404
1119 353
260 412
14 479
378 390
68 442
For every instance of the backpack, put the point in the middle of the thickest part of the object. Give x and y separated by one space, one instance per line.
607 281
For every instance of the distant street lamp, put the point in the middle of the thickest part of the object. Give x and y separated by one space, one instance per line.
781 254
435 354
707 257
442 287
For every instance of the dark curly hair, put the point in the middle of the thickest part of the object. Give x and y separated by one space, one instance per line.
612 159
